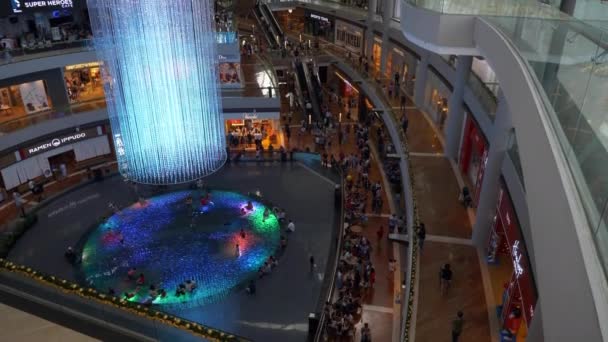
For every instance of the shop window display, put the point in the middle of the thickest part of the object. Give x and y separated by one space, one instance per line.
510 271
23 99
349 36
376 55
473 155
436 97
84 82
320 26
250 133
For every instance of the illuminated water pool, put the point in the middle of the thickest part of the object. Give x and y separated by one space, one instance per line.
180 236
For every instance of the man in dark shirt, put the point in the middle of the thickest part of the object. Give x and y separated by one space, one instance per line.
457 326
445 278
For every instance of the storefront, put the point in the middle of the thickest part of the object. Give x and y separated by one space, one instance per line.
319 25
473 155
376 58
84 82
510 270
350 36
404 63
24 99
246 131
436 95
56 156
349 94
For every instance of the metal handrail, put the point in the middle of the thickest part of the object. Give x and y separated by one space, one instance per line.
332 285
413 224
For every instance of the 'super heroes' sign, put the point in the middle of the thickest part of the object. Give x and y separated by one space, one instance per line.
23 6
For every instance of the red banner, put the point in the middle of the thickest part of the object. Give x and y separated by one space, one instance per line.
516 248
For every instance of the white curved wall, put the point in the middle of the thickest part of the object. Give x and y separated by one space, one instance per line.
570 280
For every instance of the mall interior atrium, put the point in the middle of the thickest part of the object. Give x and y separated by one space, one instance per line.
312 170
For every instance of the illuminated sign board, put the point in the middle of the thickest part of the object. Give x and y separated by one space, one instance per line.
83 66
119 144
318 17
56 142
516 255
24 6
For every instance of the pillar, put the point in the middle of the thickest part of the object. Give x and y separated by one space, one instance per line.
57 89
387 17
422 72
369 33
455 108
568 6
488 197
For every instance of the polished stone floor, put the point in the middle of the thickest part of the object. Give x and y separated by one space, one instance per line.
435 310
279 311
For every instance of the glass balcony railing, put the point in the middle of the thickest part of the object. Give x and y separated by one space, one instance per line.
568 59
44 49
511 8
485 94
21 122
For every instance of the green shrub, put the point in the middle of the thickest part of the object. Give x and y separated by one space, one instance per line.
13 233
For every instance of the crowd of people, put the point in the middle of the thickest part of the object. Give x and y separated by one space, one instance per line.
355 277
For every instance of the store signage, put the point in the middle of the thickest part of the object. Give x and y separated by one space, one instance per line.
318 17
56 142
253 116
83 66
120 146
24 6
517 259
522 274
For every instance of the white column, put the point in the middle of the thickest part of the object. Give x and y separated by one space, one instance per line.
488 197
369 33
387 17
422 71
455 109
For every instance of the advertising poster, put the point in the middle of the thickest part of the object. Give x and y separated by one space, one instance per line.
34 97
230 73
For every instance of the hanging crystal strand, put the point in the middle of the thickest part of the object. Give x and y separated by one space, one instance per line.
163 96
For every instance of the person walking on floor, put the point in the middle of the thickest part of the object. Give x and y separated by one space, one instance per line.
312 263
379 235
366 333
421 235
445 278
457 326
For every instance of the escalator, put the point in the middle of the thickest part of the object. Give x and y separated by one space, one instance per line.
310 88
264 26
274 25
268 23
314 89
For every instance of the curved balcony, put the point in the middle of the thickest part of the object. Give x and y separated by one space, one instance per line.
552 73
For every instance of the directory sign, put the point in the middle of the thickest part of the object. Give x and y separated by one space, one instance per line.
28 6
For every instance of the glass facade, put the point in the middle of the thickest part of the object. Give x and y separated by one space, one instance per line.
568 58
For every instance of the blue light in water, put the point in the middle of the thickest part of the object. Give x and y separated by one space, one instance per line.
163 99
